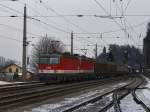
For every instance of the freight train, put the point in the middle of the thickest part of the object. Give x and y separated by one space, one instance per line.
66 67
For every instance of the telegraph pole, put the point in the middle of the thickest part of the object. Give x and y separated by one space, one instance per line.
71 43
96 51
24 44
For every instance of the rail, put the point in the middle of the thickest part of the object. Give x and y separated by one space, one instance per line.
138 100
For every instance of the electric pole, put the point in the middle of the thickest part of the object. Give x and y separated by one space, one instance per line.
71 43
96 51
24 44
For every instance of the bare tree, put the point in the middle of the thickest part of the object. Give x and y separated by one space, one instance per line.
2 61
45 45
5 62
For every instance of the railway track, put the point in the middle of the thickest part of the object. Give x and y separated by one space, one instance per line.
138 100
117 95
12 88
19 83
20 95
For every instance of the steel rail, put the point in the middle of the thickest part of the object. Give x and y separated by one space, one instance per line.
94 100
10 101
138 100
18 83
127 90
116 101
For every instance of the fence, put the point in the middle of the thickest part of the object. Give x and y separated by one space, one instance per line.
7 76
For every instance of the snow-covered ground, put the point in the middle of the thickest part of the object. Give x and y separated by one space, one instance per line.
128 105
4 82
68 102
145 92
71 101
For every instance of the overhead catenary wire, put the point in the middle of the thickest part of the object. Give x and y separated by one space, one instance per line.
17 11
117 30
17 29
41 15
36 19
83 15
9 38
2 5
44 23
110 15
65 19
127 6
124 25
60 16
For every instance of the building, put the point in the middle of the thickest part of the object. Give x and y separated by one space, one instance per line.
15 71
12 68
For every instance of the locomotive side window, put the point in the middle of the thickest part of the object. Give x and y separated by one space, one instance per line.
54 60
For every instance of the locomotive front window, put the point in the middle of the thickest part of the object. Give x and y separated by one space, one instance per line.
54 60
44 60
49 60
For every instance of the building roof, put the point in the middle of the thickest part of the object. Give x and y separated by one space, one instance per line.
15 65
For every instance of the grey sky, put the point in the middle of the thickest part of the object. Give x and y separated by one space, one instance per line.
11 28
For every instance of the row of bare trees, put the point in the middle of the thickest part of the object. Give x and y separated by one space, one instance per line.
5 62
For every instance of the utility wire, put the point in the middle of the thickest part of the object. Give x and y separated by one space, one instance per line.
11 8
6 37
41 15
125 20
110 15
117 30
17 29
65 19
127 6
107 13
36 19
85 15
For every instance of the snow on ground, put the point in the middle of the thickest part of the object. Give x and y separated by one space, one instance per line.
146 92
120 84
96 106
128 105
4 82
69 102
58 107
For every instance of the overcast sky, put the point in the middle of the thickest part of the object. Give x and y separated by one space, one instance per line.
58 20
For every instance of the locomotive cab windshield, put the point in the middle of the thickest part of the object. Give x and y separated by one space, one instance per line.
52 59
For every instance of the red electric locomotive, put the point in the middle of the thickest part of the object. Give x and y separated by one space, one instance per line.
66 67
62 67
